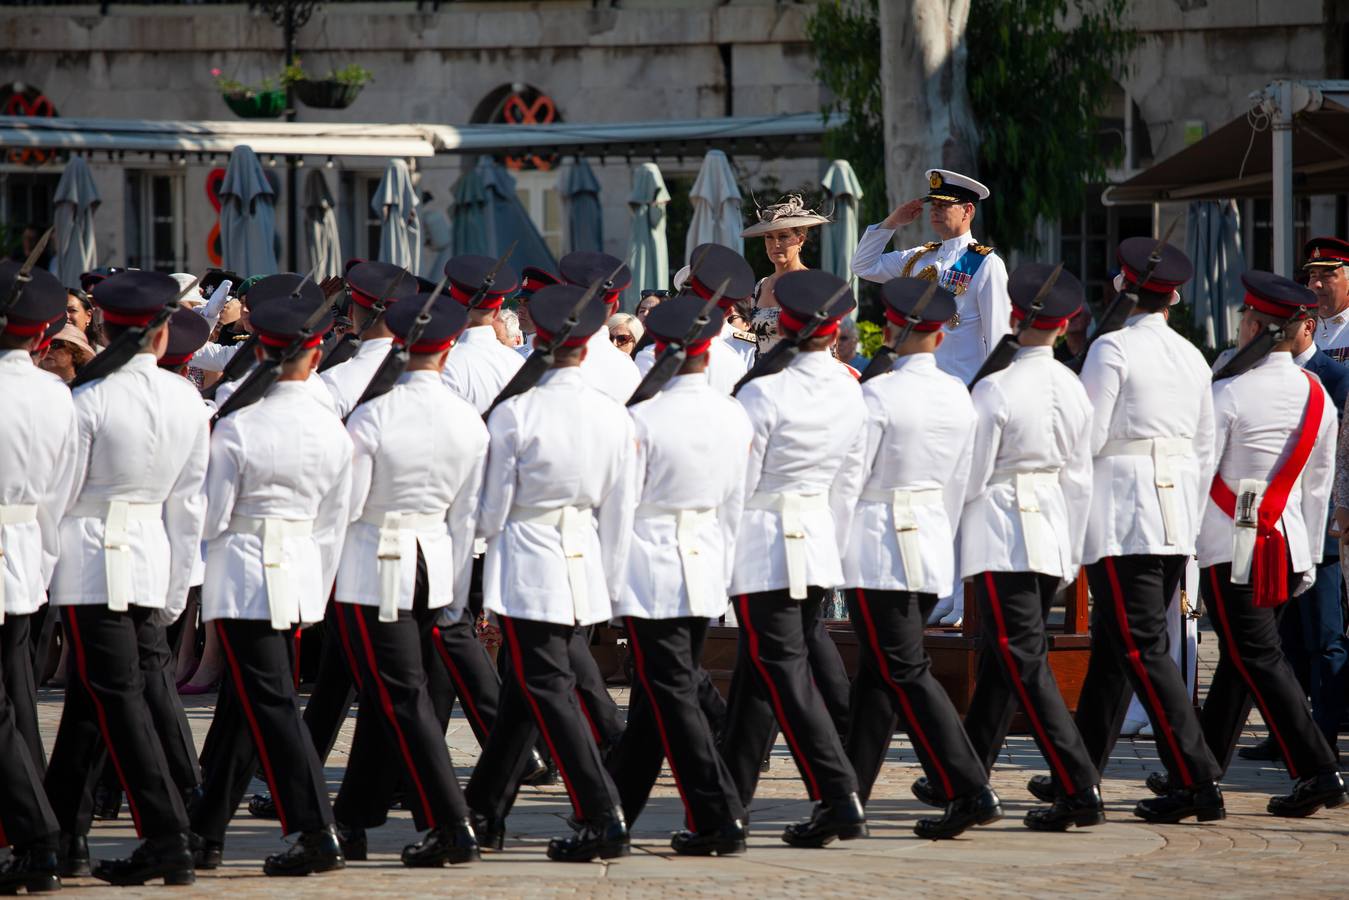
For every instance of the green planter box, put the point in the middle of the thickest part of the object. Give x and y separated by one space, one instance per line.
266 105
327 93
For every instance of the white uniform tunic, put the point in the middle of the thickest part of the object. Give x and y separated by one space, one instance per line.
315 385
919 430
142 440
608 369
808 441
346 381
1332 335
561 445
983 307
480 366
1033 443
285 457
1149 390
213 357
1256 418
692 444
37 447
419 449
725 366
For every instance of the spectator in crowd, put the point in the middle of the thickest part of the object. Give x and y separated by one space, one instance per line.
80 313
67 354
507 325
651 298
1075 338
848 344
625 330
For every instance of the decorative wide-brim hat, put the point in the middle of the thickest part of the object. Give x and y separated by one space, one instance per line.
791 212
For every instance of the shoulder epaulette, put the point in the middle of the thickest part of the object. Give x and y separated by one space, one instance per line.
981 249
932 245
745 336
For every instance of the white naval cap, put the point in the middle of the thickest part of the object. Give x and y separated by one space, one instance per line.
953 187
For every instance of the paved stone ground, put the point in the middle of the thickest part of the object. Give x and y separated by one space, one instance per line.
1250 854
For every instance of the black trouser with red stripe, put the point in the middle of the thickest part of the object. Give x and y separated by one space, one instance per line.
1251 666
105 699
26 818
773 683
258 721
330 700
1014 672
16 673
1129 654
601 712
665 722
540 697
472 677
894 680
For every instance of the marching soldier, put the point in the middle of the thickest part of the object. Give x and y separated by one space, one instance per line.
374 287
606 367
279 489
900 559
480 365
532 279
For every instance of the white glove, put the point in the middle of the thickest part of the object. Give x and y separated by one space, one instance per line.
221 296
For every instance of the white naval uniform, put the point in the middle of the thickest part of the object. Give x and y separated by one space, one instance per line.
984 309
38 448
692 442
808 443
1332 335
919 432
419 450
1255 417
480 366
213 357
285 457
143 441
318 389
725 366
608 369
1146 382
561 446
347 380
1032 450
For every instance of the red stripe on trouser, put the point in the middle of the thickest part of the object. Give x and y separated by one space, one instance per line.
266 760
518 665
786 726
874 639
82 666
386 703
346 645
585 711
460 686
296 662
1136 660
4 838
1005 645
1234 653
639 658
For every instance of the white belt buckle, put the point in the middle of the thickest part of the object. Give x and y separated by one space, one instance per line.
117 556
390 557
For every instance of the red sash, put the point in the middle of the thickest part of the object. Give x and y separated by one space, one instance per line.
1269 567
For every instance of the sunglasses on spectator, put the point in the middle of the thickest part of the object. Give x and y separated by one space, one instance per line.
655 293
621 340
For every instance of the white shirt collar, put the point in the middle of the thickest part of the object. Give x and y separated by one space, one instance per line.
1305 356
958 242
374 345
15 358
1277 358
915 362
1025 352
478 334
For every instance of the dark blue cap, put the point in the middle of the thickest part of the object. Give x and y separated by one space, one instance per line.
448 318
551 306
1277 296
467 273
1174 269
371 281
901 296
711 264
42 301
802 294
188 331
135 297
584 267
1059 305
672 319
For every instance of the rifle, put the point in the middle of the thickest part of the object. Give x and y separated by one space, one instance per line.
1256 349
676 352
344 347
395 362
1003 352
128 343
22 279
780 356
884 360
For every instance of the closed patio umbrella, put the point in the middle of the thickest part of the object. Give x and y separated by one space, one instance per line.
75 199
247 216
400 232
320 222
716 207
649 257
839 238
585 219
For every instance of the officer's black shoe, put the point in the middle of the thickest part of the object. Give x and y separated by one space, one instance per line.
726 840
980 808
1203 801
1265 751
605 838
1042 788
1309 795
107 802
314 851
167 857
1082 809
207 853
352 840
32 869
842 818
191 797
72 856
927 793
443 844
541 772
1157 783
490 832
262 806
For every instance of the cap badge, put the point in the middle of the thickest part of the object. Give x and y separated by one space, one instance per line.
934 180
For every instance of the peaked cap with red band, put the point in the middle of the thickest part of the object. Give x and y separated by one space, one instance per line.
801 294
1326 252
466 274
42 302
901 295
1060 304
550 307
1277 296
448 318
371 281
188 331
533 279
134 298
277 316
94 276
714 264
672 319
1174 269
584 267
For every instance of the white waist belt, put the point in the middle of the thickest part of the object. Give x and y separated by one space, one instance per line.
790 506
902 501
1034 528
1161 449
117 541
282 599
574 524
391 525
14 514
688 522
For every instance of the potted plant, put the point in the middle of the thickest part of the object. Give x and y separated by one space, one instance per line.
338 91
264 101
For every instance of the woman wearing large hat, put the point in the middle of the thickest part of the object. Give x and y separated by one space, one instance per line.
783 227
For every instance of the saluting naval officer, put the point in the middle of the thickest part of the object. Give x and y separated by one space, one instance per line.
129 541
900 559
802 482
40 430
278 490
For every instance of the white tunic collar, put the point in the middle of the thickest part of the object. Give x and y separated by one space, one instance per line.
959 242
478 334
915 362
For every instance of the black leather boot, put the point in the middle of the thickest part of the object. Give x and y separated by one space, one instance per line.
443 844
72 856
1042 788
167 856
1158 784
1265 751
32 869
1203 801
1082 809
1309 795
842 818
725 840
606 838
490 832
352 840
927 793
314 851
541 772
980 808
262 806
207 853
107 802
